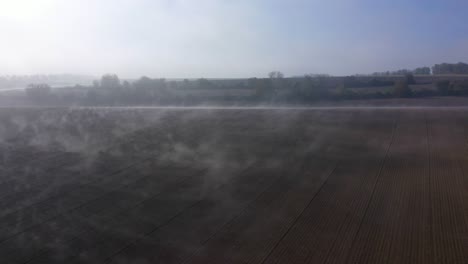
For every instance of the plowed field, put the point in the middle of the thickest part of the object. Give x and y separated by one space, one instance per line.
346 185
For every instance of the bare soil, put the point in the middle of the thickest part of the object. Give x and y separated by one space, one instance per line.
199 185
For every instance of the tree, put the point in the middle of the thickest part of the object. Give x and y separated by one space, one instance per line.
402 89
147 89
275 75
401 72
126 85
422 71
110 81
144 83
447 68
203 83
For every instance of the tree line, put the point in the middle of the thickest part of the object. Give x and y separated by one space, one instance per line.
18 81
437 69
275 88
447 68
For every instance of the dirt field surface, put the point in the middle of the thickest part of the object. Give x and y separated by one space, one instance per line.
364 185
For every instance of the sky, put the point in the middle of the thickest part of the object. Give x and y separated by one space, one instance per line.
228 38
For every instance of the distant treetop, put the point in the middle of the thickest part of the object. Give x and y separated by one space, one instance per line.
443 68
448 68
275 75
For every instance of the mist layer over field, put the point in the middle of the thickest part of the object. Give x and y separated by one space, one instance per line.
126 185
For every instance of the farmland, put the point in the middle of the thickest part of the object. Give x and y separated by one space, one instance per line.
234 185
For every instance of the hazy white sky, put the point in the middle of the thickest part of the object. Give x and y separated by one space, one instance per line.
228 38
